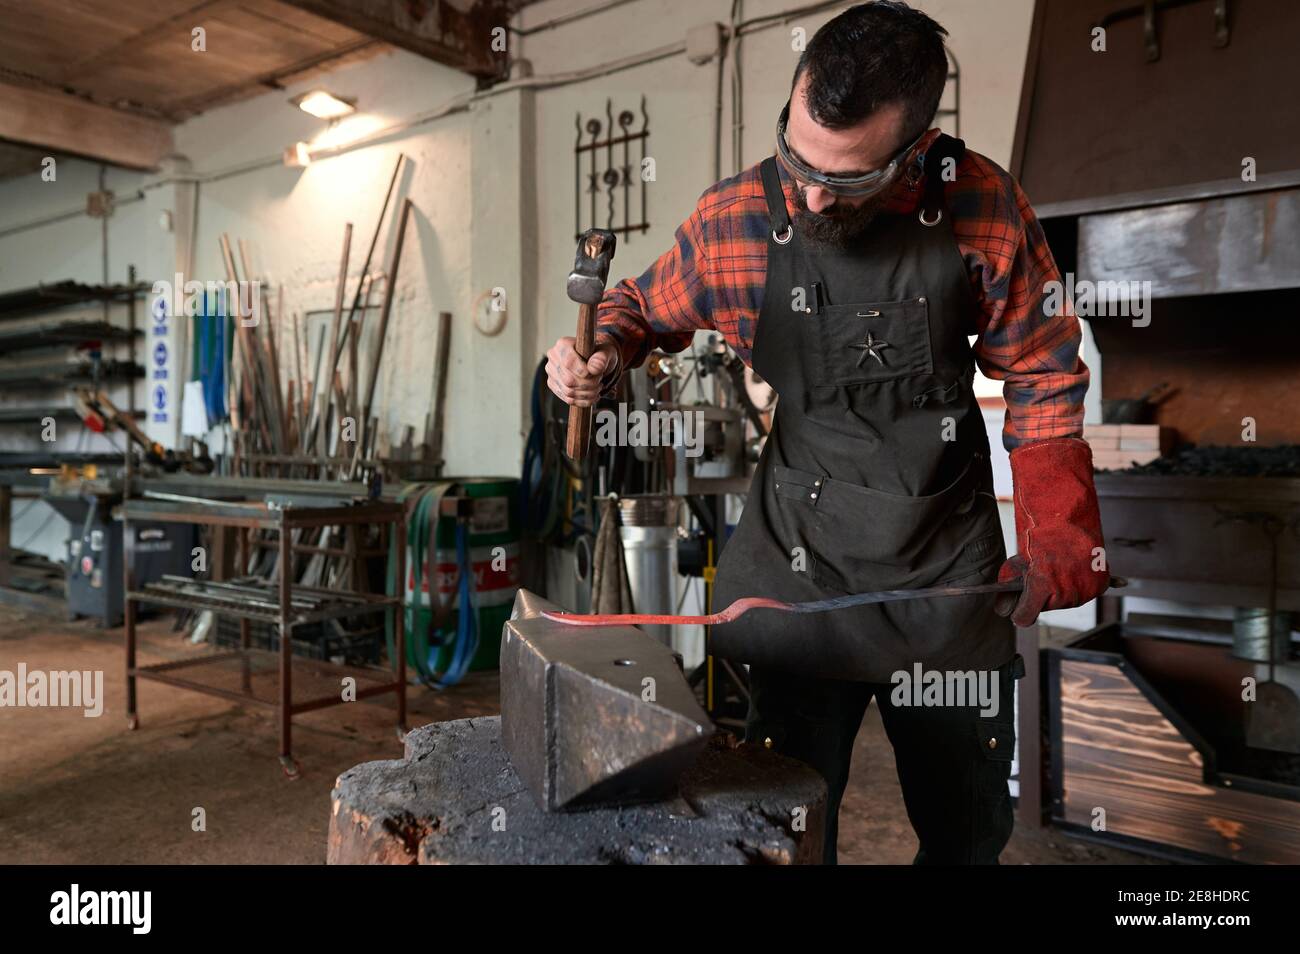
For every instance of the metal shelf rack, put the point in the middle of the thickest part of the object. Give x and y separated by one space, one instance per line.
279 602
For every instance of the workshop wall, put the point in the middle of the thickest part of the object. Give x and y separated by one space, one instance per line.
293 221
293 218
493 189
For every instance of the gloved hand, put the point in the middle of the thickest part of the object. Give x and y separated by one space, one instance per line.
1058 531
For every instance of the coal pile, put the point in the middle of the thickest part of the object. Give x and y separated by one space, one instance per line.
1282 460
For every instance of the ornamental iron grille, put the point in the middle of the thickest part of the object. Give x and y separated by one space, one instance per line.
609 166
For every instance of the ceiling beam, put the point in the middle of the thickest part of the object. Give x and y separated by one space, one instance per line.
69 124
180 110
436 29
121 51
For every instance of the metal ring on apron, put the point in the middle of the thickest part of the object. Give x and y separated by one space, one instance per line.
938 217
789 234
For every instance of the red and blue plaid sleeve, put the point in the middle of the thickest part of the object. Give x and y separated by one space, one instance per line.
713 278
665 306
1034 354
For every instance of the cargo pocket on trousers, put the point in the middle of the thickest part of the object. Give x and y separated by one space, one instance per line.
995 739
995 734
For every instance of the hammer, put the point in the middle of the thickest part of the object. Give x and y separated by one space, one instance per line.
586 286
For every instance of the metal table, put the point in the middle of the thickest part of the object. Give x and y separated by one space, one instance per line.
284 612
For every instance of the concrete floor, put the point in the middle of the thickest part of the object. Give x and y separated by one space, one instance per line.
82 790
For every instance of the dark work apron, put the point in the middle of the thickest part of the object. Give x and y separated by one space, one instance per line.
876 473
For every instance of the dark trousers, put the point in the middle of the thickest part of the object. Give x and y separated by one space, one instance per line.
953 763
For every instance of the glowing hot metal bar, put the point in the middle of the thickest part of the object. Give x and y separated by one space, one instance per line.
742 606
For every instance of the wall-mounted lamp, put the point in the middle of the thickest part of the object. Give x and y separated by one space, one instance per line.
298 156
323 104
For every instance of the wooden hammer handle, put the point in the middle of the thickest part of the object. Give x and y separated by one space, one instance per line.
579 435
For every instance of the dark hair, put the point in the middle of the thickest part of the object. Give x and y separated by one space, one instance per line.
870 56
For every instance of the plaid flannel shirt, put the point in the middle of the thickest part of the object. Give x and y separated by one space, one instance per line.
713 278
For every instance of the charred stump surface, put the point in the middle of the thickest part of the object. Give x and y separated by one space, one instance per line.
456 799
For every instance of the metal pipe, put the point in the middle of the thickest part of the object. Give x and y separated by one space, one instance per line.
370 252
398 610
321 436
389 289
286 652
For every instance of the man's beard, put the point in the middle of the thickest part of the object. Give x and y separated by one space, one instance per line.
838 225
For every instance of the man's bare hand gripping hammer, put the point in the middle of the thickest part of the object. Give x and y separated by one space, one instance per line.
586 286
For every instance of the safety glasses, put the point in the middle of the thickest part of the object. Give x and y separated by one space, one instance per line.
852 187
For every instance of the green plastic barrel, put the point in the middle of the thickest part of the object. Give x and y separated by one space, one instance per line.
494 556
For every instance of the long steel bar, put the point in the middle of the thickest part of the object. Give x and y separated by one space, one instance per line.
307 705
399 620
261 614
317 668
320 440
286 650
370 252
334 354
742 606
128 604
264 321
390 288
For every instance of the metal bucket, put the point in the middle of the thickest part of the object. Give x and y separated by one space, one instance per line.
649 534
1250 635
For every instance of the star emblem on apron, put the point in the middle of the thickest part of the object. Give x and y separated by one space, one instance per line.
871 346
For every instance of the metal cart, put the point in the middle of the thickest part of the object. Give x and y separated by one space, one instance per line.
273 603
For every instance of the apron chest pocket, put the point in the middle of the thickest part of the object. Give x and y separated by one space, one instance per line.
796 484
873 341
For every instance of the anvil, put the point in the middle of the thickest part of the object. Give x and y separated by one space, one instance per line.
594 716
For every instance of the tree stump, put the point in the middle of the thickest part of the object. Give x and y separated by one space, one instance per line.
455 799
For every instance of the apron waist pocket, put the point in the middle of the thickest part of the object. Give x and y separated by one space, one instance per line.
860 536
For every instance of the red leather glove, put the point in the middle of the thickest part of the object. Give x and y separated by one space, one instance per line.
1058 530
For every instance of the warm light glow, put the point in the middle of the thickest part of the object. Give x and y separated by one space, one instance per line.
342 133
323 104
298 155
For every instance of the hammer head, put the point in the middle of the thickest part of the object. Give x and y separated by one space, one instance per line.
591 266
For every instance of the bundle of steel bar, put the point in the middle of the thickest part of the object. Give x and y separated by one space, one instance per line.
324 428
251 598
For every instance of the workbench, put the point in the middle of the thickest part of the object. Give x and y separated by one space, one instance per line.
283 604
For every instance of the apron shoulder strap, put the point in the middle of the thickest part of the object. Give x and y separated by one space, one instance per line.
779 218
936 165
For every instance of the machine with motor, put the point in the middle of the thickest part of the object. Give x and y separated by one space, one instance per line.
94 557
87 497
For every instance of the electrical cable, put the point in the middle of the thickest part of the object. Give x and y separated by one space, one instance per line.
424 643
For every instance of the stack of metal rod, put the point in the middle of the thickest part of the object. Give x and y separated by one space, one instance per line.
295 418
256 598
